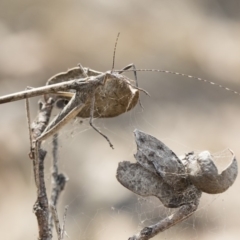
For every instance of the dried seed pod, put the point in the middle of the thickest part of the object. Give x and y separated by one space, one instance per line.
155 156
177 182
204 174
144 183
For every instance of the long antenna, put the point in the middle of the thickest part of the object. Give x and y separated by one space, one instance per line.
114 52
183 75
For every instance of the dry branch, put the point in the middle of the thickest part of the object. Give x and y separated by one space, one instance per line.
41 208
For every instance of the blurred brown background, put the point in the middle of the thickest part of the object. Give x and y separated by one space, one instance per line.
41 38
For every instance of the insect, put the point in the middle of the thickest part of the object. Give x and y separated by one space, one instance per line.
91 94
178 182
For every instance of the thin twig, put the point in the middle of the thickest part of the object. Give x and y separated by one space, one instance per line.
56 221
41 208
59 229
58 180
64 222
151 231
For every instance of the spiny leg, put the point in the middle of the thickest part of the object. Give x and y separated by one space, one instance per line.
73 107
91 121
70 111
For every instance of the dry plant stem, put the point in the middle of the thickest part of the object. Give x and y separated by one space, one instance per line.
151 231
37 128
60 230
64 222
56 221
41 208
58 180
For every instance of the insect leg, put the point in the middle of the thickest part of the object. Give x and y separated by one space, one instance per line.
71 110
131 65
91 121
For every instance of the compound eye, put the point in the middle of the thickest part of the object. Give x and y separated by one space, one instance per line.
61 103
